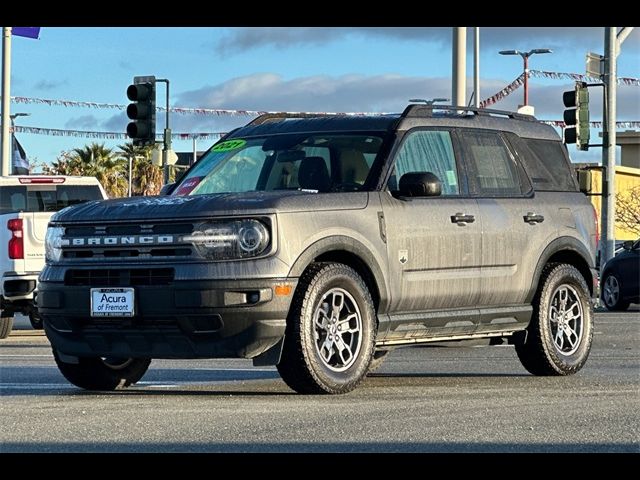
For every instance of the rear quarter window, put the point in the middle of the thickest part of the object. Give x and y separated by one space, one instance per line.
548 165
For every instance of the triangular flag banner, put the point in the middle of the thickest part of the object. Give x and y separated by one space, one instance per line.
29 32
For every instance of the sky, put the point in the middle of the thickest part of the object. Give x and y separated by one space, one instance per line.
336 69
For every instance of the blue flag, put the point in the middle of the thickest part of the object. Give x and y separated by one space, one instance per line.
29 32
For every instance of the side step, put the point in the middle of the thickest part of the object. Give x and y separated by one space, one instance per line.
410 341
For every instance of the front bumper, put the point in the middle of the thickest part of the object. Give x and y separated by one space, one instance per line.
187 319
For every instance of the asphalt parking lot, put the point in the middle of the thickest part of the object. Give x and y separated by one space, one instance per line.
424 399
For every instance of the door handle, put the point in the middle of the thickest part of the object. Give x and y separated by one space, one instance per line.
532 218
462 219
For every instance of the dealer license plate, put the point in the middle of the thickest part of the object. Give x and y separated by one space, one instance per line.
112 302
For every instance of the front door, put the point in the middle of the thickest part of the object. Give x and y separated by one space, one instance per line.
433 243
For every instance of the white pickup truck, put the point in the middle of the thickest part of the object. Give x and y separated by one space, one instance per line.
26 205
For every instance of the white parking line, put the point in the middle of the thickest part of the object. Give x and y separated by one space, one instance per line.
11 355
34 386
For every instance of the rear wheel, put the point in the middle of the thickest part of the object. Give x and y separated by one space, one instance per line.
558 338
612 293
6 324
103 373
330 331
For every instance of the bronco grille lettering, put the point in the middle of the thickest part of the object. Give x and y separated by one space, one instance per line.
115 241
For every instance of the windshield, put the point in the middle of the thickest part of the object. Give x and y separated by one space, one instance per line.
310 162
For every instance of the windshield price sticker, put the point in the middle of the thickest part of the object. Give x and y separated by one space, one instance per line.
229 145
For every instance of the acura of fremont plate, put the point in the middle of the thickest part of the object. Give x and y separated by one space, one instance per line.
112 302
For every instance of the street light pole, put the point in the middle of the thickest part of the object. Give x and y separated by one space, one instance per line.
526 79
6 101
525 56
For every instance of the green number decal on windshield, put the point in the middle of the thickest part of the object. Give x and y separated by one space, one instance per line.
229 145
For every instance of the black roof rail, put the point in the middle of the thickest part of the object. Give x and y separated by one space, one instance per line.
279 116
417 110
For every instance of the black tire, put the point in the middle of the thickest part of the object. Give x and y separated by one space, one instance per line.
302 366
379 356
6 324
36 320
540 353
613 301
95 373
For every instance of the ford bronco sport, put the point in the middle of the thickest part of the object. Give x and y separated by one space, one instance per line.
320 243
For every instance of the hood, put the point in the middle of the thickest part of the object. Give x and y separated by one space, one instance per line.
198 206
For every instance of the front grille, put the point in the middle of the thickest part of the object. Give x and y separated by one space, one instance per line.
119 277
133 229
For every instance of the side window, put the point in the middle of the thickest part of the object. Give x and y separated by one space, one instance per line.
428 151
547 164
492 170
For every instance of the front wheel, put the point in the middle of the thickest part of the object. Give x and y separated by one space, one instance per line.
612 293
6 324
330 333
558 339
103 373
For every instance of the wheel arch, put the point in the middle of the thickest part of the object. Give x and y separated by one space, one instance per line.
565 250
351 252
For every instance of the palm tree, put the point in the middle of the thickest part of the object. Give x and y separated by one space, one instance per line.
146 178
98 161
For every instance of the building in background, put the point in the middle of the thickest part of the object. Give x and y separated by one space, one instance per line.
627 179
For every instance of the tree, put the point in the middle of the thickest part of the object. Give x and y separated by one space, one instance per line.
93 160
146 178
628 210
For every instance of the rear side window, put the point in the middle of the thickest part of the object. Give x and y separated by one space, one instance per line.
547 164
37 198
492 169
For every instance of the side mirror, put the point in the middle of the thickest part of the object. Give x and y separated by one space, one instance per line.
628 245
420 184
584 180
167 189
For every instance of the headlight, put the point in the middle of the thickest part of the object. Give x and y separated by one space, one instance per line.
230 240
53 243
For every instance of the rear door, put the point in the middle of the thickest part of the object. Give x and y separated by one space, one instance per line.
514 222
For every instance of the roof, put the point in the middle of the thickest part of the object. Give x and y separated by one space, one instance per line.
414 116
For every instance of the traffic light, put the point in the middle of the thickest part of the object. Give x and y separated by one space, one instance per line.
576 116
143 111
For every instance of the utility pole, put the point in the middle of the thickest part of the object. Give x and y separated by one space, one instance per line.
476 67
612 43
459 66
609 145
6 101
166 136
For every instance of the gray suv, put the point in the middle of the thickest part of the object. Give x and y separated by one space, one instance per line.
320 243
